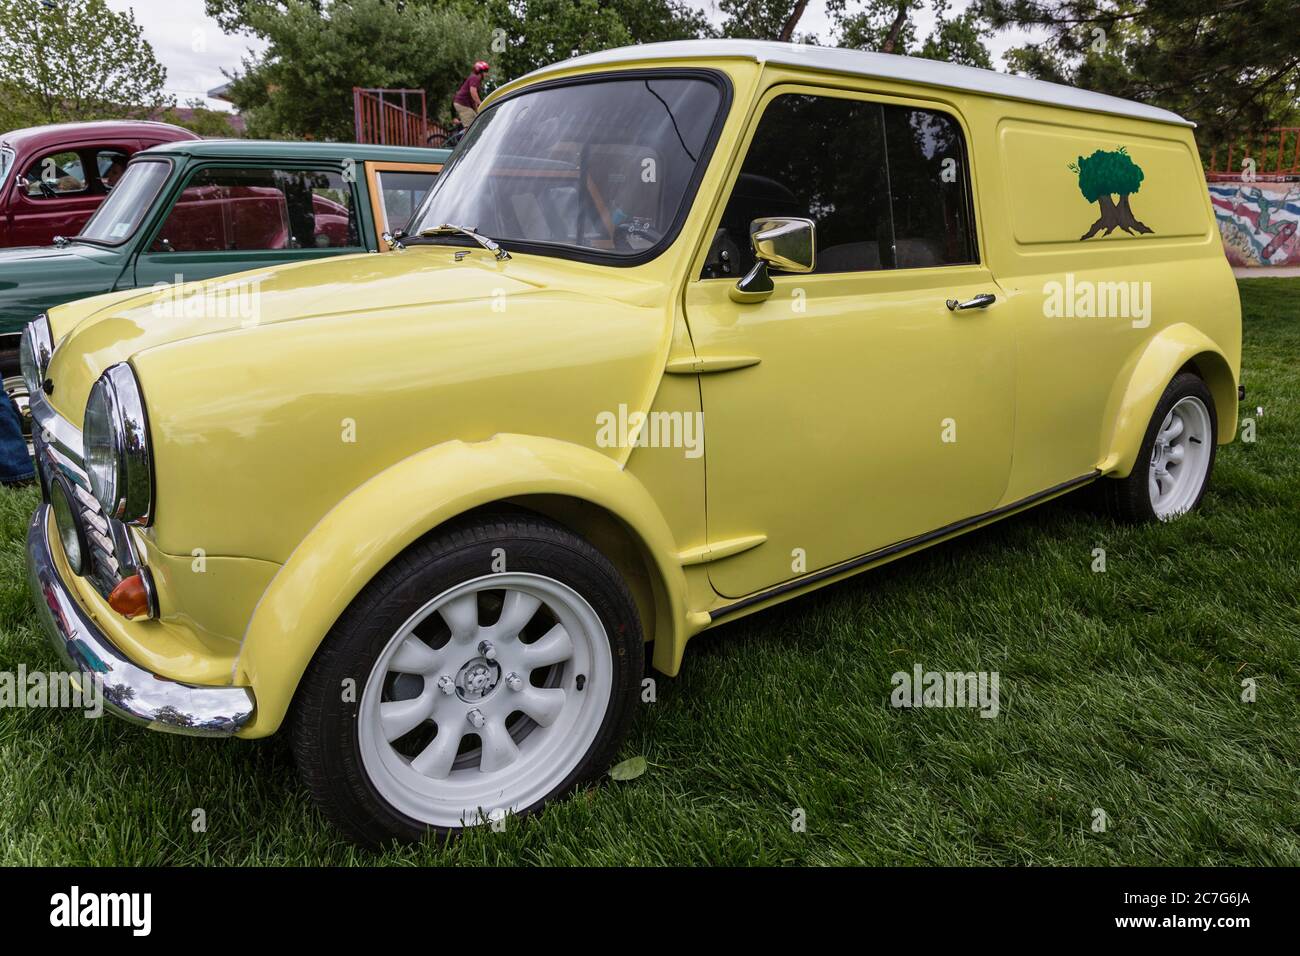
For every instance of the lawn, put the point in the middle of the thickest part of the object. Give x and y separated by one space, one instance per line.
1120 692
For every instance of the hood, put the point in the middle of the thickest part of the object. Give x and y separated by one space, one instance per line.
34 279
361 288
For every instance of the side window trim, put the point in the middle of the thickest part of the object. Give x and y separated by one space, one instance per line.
795 87
374 170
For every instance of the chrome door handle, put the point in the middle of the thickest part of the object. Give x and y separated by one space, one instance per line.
981 301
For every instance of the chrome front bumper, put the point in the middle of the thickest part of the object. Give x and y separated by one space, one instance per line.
130 691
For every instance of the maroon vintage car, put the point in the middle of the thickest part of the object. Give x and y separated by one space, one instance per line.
53 177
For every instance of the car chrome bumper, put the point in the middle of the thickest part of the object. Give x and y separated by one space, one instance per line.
130 691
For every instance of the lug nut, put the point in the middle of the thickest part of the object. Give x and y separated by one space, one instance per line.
515 682
487 649
446 685
476 717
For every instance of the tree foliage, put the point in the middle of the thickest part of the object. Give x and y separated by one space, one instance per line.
301 87
889 26
78 61
200 120
319 49
529 34
1107 173
1232 67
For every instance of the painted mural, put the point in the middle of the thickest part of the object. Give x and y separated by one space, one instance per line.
1259 222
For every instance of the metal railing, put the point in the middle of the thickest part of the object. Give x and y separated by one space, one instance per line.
394 118
1276 153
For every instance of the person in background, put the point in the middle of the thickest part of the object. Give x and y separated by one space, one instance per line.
469 96
16 466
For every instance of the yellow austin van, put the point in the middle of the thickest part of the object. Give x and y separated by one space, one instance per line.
682 331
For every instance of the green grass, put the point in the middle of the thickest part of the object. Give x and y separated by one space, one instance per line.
1119 691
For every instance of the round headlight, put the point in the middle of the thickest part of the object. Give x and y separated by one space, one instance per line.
34 350
71 535
115 438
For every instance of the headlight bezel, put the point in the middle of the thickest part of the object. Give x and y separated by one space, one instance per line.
72 535
118 455
35 348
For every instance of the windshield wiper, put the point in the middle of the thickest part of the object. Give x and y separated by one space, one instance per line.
448 229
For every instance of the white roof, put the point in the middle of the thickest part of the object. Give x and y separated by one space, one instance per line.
885 66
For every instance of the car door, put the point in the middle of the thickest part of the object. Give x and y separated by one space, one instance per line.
852 409
232 217
396 191
57 198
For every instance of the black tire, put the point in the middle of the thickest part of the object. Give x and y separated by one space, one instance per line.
325 728
1129 499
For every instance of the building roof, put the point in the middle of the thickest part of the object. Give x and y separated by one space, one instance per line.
271 149
884 66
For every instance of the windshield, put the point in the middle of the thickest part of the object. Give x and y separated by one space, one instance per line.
603 167
6 161
119 215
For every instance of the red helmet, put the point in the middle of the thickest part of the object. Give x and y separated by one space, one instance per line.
481 66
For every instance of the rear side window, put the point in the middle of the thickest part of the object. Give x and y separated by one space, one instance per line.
887 186
260 209
58 174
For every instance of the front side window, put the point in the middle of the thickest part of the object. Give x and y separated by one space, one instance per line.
885 185
601 167
400 194
58 174
121 213
223 209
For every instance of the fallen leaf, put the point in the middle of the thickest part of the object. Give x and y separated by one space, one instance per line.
628 769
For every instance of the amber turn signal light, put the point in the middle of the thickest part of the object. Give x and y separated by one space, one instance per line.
131 597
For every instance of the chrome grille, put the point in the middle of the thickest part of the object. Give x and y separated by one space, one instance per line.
58 450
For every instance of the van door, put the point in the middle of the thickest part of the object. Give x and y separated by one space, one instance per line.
867 411
60 194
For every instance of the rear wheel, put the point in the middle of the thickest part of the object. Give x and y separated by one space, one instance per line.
478 692
1176 459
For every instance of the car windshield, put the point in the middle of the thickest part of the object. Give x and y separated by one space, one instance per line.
6 161
120 214
599 167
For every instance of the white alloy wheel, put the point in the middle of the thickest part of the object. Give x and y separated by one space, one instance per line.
1180 458
461 720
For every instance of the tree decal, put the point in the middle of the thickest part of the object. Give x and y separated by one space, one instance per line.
1104 175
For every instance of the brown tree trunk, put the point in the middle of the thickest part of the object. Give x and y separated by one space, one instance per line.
1108 220
1127 221
895 28
792 21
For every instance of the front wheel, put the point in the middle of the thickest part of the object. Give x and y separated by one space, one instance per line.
494 667
1176 458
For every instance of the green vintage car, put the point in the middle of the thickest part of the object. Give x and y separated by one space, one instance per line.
203 208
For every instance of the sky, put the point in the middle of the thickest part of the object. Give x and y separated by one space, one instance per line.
195 51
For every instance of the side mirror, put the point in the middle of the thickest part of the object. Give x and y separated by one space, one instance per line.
787 245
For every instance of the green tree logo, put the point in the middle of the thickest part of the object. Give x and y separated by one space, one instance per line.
1102 176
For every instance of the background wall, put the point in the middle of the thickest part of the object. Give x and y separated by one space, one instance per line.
1259 222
